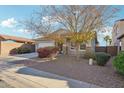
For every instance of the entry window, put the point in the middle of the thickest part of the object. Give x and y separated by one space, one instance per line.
82 46
73 45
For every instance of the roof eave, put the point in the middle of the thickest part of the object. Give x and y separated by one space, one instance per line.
120 37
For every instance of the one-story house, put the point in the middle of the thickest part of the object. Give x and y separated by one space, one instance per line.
7 43
42 42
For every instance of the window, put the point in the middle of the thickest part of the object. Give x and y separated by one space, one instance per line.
73 45
82 46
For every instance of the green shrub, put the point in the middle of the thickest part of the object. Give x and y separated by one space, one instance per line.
23 50
14 51
102 58
20 50
118 63
89 54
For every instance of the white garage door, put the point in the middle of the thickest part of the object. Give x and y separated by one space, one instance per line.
45 44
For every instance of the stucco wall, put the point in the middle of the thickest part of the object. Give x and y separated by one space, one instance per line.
90 45
122 44
118 30
6 47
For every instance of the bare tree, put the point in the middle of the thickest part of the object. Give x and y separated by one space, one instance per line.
82 22
40 22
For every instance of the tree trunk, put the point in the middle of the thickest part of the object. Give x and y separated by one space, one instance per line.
67 48
61 48
78 50
106 46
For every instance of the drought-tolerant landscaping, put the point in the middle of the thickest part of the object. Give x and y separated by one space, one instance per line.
68 66
102 72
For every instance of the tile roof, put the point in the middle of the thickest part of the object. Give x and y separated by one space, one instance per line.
14 38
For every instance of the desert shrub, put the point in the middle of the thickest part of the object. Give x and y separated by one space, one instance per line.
54 50
89 54
29 46
43 52
46 51
118 63
14 51
20 50
102 58
23 50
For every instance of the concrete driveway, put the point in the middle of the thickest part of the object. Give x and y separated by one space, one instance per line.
26 77
5 61
18 57
27 56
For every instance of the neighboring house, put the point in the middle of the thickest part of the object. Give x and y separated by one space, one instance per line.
118 35
41 42
7 43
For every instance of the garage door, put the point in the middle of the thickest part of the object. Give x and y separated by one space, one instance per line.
45 44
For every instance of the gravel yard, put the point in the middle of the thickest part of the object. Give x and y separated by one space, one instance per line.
104 76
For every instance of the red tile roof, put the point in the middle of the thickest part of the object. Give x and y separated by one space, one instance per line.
14 38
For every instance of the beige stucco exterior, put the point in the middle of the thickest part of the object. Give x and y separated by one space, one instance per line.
118 31
122 44
90 46
6 47
67 48
119 28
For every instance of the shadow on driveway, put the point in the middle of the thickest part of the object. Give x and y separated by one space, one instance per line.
69 82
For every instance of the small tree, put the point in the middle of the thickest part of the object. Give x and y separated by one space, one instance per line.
59 39
108 40
80 37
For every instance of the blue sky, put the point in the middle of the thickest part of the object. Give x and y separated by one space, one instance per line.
11 15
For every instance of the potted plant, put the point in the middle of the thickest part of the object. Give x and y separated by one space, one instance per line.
90 61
